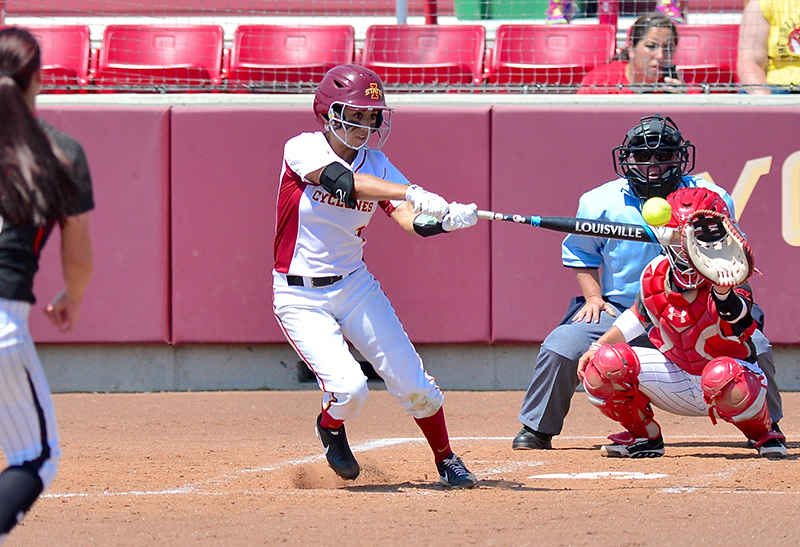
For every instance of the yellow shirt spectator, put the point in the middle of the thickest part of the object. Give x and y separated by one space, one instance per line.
769 45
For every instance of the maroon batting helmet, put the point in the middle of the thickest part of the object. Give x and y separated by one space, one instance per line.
352 86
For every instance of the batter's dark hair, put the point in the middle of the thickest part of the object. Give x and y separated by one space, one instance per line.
640 28
36 186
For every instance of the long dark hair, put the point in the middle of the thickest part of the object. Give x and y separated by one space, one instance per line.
35 183
640 28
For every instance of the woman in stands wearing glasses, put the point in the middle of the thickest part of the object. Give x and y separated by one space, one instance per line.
645 65
44 181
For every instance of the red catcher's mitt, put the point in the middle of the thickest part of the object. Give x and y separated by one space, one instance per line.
716 249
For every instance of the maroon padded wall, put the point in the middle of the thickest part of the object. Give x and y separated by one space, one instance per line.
440 286
225 171
197 269
544 158
128 297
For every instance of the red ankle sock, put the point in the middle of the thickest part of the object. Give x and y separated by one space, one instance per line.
435 430
328 422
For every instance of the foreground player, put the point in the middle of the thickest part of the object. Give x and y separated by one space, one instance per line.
705 362
331 184
44 180
654 159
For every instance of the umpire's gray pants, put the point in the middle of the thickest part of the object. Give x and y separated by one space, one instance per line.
555 374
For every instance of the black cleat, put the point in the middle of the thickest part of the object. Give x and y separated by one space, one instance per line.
752 444
453 473
337 451
639 448
528 439
773 448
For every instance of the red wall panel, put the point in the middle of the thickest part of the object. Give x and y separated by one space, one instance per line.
128 297
544 158
439 286
225 170
497 282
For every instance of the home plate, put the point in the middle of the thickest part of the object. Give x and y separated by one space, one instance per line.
621 475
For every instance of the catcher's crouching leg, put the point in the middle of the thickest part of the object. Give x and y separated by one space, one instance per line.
739 396
611 381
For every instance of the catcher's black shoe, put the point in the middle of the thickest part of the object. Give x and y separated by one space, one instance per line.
752 444
337 451
528 439
773 448
639 448
453 473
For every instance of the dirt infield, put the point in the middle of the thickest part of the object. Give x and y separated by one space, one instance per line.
244 468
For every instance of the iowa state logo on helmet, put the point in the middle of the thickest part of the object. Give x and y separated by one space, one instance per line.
374 92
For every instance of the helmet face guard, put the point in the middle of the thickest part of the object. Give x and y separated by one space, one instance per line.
356 87
336 120
653 157
685 202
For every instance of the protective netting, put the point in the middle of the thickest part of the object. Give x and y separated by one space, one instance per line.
472 46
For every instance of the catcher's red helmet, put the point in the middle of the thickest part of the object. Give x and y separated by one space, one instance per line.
685 202
352 86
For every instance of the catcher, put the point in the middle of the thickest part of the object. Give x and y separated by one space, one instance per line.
698 302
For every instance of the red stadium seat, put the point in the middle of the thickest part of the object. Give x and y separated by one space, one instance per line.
549 54
707 53
288 54
143 56
425 54
65 55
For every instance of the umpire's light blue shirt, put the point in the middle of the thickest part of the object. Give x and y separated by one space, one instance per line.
621 263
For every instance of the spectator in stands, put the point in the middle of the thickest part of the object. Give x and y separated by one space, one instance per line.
769 47
44 182
562 11
645 65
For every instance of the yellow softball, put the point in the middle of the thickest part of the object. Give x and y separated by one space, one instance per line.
656 211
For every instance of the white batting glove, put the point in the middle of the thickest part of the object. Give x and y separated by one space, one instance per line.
459 216
426 202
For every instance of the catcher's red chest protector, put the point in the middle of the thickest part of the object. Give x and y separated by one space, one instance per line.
687 328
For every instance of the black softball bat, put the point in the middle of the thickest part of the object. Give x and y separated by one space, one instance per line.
589 227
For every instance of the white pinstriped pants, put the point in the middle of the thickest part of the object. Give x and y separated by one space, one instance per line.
671 388
27 416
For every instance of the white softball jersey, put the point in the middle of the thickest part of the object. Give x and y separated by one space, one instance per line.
316 235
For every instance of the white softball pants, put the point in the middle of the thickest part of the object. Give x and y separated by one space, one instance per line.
671 388
27 416
318 322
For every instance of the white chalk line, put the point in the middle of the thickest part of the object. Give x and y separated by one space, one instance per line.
195 488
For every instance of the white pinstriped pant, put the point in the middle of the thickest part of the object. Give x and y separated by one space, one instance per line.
26 405
671 388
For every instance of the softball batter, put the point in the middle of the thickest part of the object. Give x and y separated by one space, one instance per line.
44 180
331 184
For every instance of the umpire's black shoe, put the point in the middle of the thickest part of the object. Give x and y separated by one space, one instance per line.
528 439
337 451
453 473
